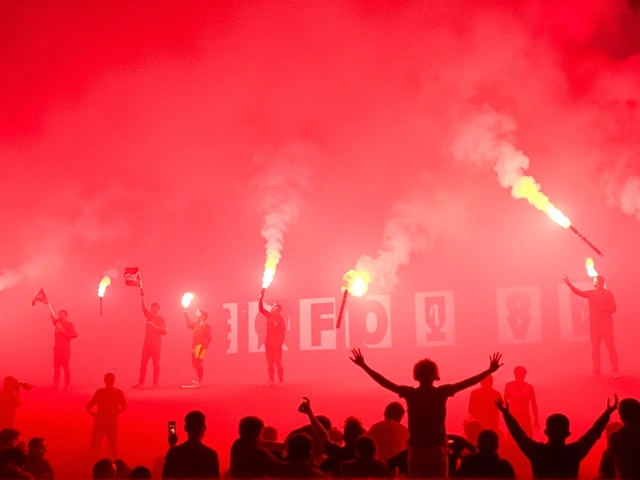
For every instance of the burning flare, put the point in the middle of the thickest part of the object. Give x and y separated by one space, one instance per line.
186 299
356 282
487 139
591 268
270 268
104 283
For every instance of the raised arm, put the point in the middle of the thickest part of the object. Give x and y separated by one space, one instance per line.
534 409
145 310
263 310
358 359
318 430
494 364
190 324
526 444
586 442
575 290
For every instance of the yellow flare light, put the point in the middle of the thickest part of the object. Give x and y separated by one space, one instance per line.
527 188
186 299
269 270
591 268
104 283
356 282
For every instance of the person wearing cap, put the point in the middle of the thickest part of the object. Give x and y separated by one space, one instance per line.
201 340
274 339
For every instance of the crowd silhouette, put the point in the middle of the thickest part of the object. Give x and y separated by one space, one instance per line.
384 450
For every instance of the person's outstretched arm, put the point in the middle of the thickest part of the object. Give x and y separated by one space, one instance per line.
575 290
534 409
526 444
145 310
358 359
586 442
190 324
318 430
263 310
494 364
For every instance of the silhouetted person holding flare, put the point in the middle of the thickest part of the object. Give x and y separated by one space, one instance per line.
65 331
155 329
556 458
426 412
602 306
274 339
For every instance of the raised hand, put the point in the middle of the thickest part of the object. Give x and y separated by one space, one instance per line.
612 408
566 280
536 425
494 362
358 359
305 406
503 407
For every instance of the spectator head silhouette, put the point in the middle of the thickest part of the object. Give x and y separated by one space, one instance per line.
300 446
104 468
488 442
37 448
325 422
353 430
9 438
251 428
366 447
195 424
394 411
472 429
425 372
598 283
520 373
629 411
10 383
122 469
109 379
487 382
269 434
557 428
155 308
141 472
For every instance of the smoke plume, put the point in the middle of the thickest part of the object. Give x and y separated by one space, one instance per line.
284 176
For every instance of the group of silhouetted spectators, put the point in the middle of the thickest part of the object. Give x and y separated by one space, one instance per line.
386 449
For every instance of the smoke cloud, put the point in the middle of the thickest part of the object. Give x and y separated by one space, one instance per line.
284 175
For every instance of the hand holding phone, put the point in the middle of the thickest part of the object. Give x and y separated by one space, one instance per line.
172 428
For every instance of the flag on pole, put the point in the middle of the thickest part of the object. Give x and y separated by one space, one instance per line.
40 297
132 277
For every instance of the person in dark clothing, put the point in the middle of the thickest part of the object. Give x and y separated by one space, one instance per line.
426 412
141 472
200 344
274 339
248 458
601 307
299 459
366 464
12 464
624 444
486 463
336 454
110 403
38 466
155 329
9 402
607 468
65 331
9 438
556 458
317 451
192 459
482 405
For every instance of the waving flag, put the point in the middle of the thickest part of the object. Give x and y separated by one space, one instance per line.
132 277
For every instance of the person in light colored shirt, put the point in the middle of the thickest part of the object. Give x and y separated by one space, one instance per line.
390 435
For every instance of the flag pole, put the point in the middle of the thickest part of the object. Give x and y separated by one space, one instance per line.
51 308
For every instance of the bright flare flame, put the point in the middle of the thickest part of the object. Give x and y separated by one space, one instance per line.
104 283
526 187
270 269
186 299
356 282
591 268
